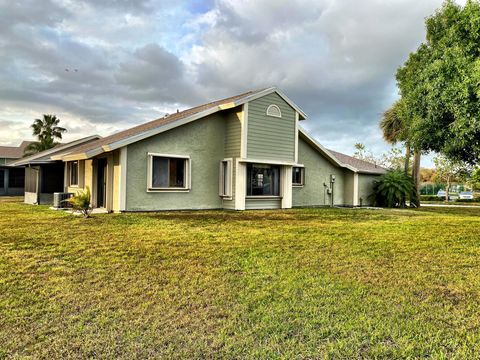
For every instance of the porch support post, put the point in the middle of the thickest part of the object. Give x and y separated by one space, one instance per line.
240 185
355 190
286 185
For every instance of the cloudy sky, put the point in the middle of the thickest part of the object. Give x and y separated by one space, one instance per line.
103 66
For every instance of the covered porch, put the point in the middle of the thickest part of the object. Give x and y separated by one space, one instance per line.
101 174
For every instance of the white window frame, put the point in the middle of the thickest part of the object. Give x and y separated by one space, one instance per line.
70 165
277 108
302 175
187 173
228 177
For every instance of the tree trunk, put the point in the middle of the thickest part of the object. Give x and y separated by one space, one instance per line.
416 176
407 157
447 189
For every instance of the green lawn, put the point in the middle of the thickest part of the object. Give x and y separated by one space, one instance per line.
310 283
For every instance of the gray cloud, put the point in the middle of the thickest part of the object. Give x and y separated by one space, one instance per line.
137 59
335 59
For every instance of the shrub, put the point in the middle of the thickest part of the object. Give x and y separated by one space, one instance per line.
81 202
393 189
430 198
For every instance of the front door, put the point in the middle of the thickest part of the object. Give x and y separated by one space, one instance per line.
102 183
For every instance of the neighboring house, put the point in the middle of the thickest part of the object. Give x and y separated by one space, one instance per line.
12 179
45 176
242 152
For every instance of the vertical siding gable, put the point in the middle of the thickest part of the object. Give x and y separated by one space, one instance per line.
270 138
233 133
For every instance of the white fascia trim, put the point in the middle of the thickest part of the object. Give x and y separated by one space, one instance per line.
269 91
296 136
325 151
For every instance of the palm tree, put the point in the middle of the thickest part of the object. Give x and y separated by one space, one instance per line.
47 131
395 126
395 130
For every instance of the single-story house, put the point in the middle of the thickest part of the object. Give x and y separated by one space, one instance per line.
12 179
43 175
243 152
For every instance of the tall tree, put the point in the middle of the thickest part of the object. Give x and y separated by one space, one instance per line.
448 170
440 84
47 132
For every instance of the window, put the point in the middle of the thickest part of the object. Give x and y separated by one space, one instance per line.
168 172
2 179
73 173
274 110
16 178
298 176
263 180
225 188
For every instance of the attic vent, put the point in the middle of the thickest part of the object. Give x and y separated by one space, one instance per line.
274 110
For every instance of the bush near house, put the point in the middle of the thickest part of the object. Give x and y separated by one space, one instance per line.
430 198
393 189
81 202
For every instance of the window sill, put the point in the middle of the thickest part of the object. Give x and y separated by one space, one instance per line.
263 197
298 185
226 197
168 190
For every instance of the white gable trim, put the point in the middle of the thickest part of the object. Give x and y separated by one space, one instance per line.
262 93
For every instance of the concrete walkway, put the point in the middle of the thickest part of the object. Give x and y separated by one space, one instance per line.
450 206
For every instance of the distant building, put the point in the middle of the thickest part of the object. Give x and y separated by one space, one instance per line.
12 179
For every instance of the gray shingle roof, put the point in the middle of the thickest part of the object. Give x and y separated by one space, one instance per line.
361 165
14 152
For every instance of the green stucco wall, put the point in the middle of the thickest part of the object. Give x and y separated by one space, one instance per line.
348 183
365 188
317 171
203 140
271 137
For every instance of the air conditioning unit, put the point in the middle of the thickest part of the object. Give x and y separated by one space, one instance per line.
59 200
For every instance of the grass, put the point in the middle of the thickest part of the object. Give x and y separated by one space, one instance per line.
308 283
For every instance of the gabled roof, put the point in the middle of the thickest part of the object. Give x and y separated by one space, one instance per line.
342 160
143 131
361 165
14 152
45 157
